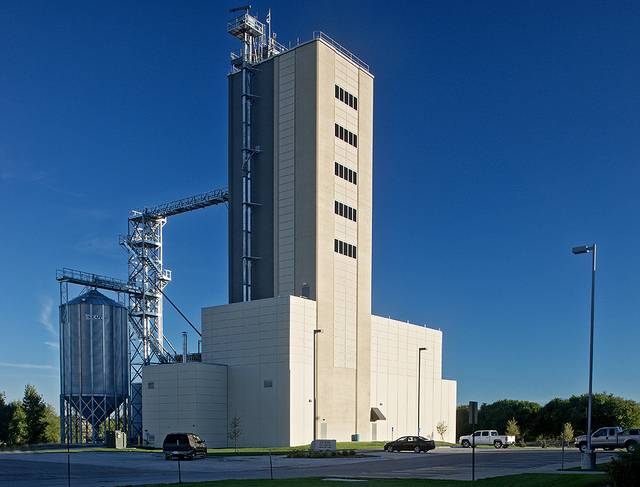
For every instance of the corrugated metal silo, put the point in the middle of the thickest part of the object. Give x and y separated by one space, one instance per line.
94 369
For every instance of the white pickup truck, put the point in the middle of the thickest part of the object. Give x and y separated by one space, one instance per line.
610 438
487 437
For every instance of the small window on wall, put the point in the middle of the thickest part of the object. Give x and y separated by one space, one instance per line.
346 97
268 383
151 385
346 173
347 136
345 248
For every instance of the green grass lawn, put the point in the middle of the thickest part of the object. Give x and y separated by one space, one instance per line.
347 445
524 480
600 467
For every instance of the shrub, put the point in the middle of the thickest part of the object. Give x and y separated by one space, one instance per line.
542 441
297 454
624 471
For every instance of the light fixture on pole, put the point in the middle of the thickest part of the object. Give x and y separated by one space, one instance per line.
315 383
588 457
420 350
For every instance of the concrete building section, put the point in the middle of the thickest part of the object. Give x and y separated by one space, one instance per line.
186 398
310 214
394 381
268 346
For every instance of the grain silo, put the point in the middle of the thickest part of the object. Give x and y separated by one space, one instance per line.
94 372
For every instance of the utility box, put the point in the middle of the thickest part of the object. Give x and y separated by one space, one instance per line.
116 439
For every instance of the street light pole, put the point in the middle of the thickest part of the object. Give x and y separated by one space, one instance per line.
592 249
420 350
315 383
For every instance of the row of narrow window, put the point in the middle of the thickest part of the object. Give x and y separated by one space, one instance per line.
346 173
345 211
346 97
348 137
344 248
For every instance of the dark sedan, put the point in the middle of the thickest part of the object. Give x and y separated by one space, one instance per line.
411 443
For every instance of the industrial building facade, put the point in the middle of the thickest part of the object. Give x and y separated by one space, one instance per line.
303 256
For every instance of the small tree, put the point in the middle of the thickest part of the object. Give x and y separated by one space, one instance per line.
235 431
567 433
441 428
35 410
17 430
513 429
52 421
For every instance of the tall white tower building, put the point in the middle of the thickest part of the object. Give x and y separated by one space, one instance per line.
300 253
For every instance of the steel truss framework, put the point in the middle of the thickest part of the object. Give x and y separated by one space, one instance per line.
144 292
144 244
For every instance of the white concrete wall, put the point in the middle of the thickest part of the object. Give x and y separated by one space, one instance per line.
187 398
284 167
394 381
268 346
303 322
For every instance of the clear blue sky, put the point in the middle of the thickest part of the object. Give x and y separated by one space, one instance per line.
505 133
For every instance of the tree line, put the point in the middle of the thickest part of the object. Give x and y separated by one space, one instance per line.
550 420
29 421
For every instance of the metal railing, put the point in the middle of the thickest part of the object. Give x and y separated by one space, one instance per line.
94 280
342 50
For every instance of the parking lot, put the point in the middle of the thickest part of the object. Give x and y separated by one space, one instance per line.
121 468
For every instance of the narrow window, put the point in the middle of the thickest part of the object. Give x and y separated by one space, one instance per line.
337 92
340 245
355 103
335 206
354 252
355 141
355 177
341 94
336 168
342 171
351 100
355 217
335 245
350 138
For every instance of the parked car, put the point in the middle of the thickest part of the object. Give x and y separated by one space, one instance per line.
610 438
410 443
183 445
487 437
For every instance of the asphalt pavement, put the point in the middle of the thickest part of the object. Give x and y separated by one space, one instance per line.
110 469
